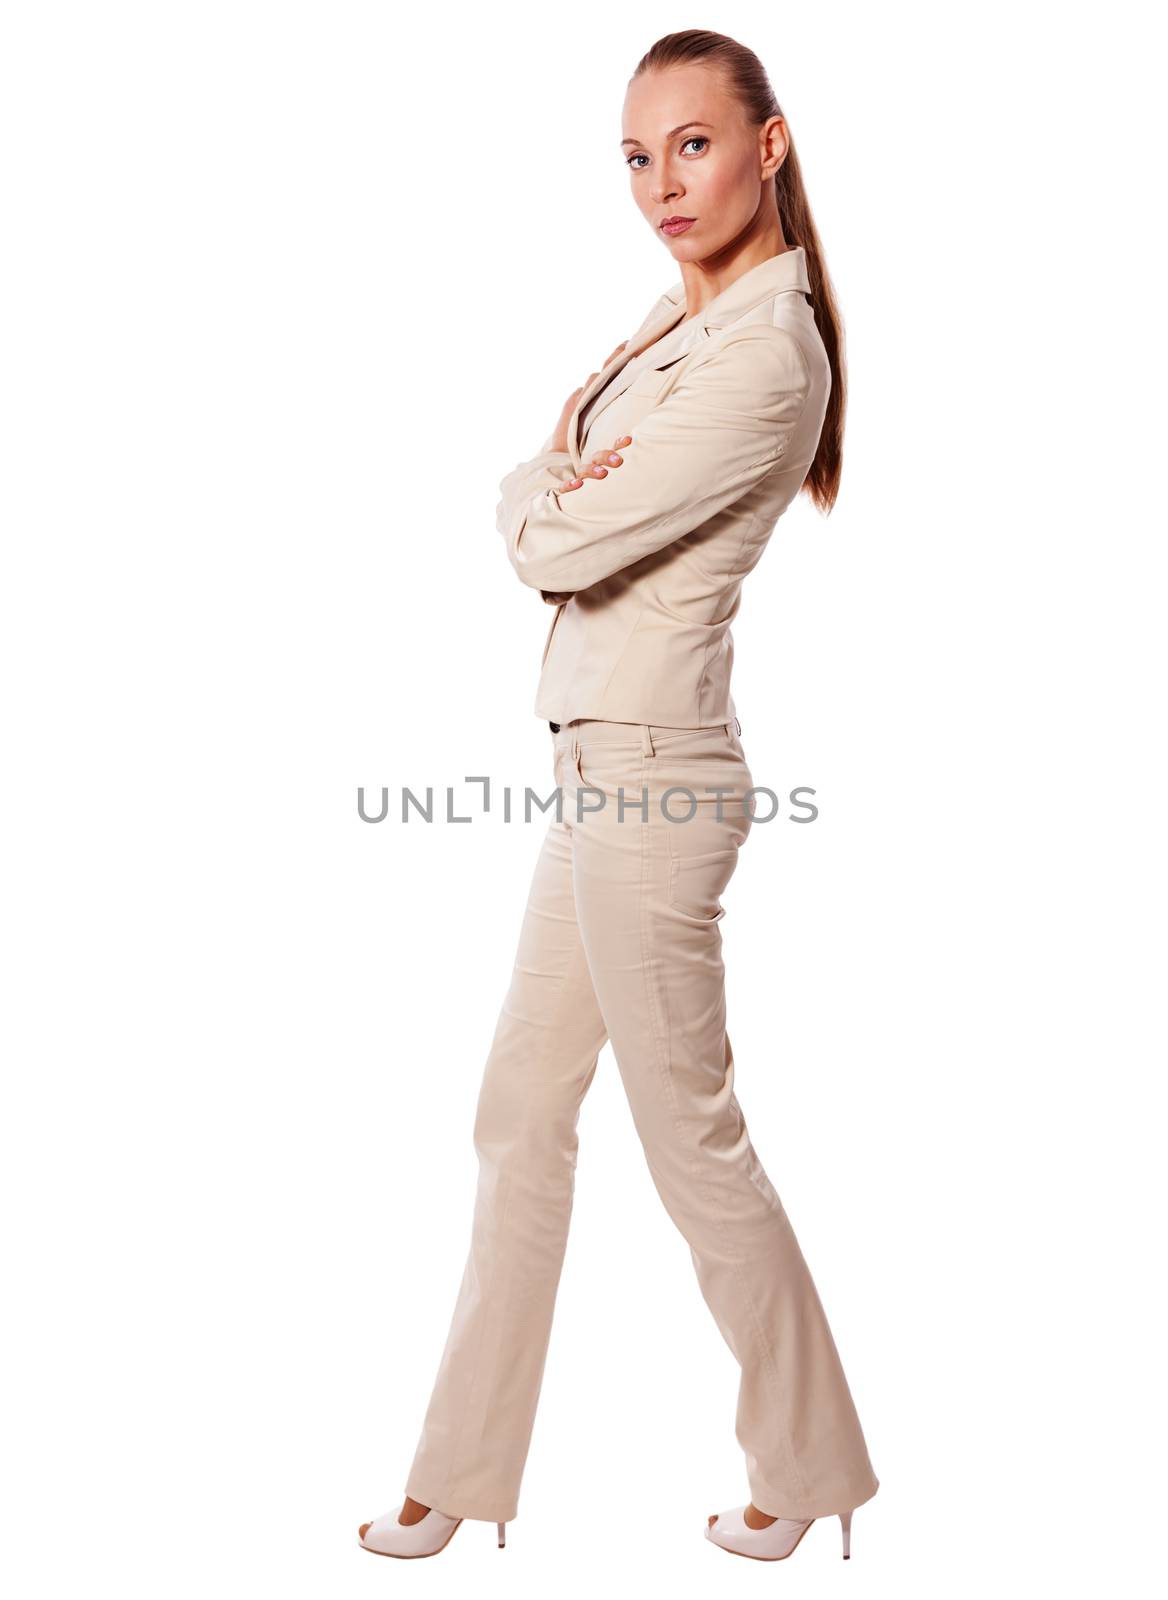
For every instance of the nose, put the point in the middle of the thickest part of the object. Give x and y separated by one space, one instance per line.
667 188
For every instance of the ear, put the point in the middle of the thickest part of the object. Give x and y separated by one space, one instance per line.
774 143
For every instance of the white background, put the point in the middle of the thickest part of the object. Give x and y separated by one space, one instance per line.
288 289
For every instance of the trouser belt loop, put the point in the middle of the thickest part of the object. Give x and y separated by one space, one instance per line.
647 740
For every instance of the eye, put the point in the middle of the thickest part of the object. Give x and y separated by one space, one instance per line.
694 138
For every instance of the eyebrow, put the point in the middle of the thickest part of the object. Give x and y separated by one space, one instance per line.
671 132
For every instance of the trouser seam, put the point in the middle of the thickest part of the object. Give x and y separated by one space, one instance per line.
476 1371
578 965
660 1037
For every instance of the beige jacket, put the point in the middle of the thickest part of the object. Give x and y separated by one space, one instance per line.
646 565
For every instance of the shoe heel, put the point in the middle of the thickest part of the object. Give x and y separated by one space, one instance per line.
502 1527
846 1527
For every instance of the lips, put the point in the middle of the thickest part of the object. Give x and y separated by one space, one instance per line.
676 224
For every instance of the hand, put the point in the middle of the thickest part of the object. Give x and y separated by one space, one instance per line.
560 436
602 460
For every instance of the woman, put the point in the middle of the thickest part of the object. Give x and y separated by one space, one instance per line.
700 431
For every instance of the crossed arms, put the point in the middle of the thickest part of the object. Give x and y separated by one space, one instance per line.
718 433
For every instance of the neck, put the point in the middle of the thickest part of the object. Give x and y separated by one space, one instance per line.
704 280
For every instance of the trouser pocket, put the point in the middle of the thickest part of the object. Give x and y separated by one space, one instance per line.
697 879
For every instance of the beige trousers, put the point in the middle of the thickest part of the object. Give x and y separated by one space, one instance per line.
620 941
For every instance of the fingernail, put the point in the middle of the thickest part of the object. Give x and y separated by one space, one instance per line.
614 459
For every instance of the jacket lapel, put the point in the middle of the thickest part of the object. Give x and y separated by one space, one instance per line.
664 315
776 275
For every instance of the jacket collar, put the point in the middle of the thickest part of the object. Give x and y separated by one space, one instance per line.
775 275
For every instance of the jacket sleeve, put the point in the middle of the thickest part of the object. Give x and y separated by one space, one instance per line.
718 433
547 470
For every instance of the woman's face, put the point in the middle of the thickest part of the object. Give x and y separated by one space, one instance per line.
691 153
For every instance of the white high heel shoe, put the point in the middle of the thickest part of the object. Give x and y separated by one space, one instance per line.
386 1536
775 1542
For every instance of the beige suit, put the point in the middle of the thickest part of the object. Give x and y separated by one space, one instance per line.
621 940
725 421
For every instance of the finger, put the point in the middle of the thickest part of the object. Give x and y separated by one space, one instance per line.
606 458
610 454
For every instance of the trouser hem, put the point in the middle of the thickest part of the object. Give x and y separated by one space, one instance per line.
459 1506
777 1504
